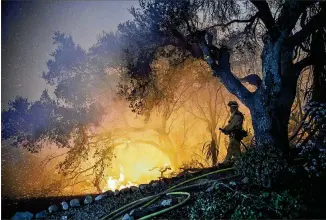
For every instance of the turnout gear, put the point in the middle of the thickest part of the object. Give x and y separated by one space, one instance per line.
235 131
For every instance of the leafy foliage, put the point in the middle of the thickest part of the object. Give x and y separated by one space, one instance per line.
312 147
87 156
82 90
30 123
166 28
315 157
230 201
210 149
80 85
261 165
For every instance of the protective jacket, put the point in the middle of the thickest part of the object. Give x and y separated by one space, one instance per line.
234 130
235 123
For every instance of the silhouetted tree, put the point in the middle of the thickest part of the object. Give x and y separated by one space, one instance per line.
79 86
318 53
82 89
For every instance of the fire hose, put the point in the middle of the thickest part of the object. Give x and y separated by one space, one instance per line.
170 208
151 199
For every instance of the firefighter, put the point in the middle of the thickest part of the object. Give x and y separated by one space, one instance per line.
235 131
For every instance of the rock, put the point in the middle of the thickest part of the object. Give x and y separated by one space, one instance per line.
210 189
74 203
53 208
23 215
99 197
154 183
88 200
201 181
116 192
134 189
142 187
245 180
64 217
166 202
127 217
64 205
232 183
132 212
42 214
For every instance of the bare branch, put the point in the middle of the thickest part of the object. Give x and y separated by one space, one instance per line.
251 20
299 66
308 29
178 40
51 157
290 14
264 13
223 72
196 116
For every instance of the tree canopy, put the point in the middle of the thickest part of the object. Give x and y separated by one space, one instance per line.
214 31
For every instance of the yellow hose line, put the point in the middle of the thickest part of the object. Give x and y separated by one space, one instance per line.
184 193
170 208
155 197
298 158
176 206
131 205
190 180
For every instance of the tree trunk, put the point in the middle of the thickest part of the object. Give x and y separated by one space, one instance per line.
318 53
214 149
98 188
271 104
270 124
169 150
96 184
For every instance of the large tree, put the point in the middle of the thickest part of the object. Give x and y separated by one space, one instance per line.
211 30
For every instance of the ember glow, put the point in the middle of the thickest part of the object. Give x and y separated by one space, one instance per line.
136 168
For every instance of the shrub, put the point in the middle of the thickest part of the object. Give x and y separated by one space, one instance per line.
225 201
315 157
261 165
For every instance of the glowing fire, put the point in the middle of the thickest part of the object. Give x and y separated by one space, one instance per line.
136 167
114 184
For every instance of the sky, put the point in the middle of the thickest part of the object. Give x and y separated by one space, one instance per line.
27 29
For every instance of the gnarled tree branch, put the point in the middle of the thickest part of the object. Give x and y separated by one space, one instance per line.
264 13
299 66
223 72
249 20
307 29
290 14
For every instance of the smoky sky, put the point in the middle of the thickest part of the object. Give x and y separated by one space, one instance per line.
27 31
